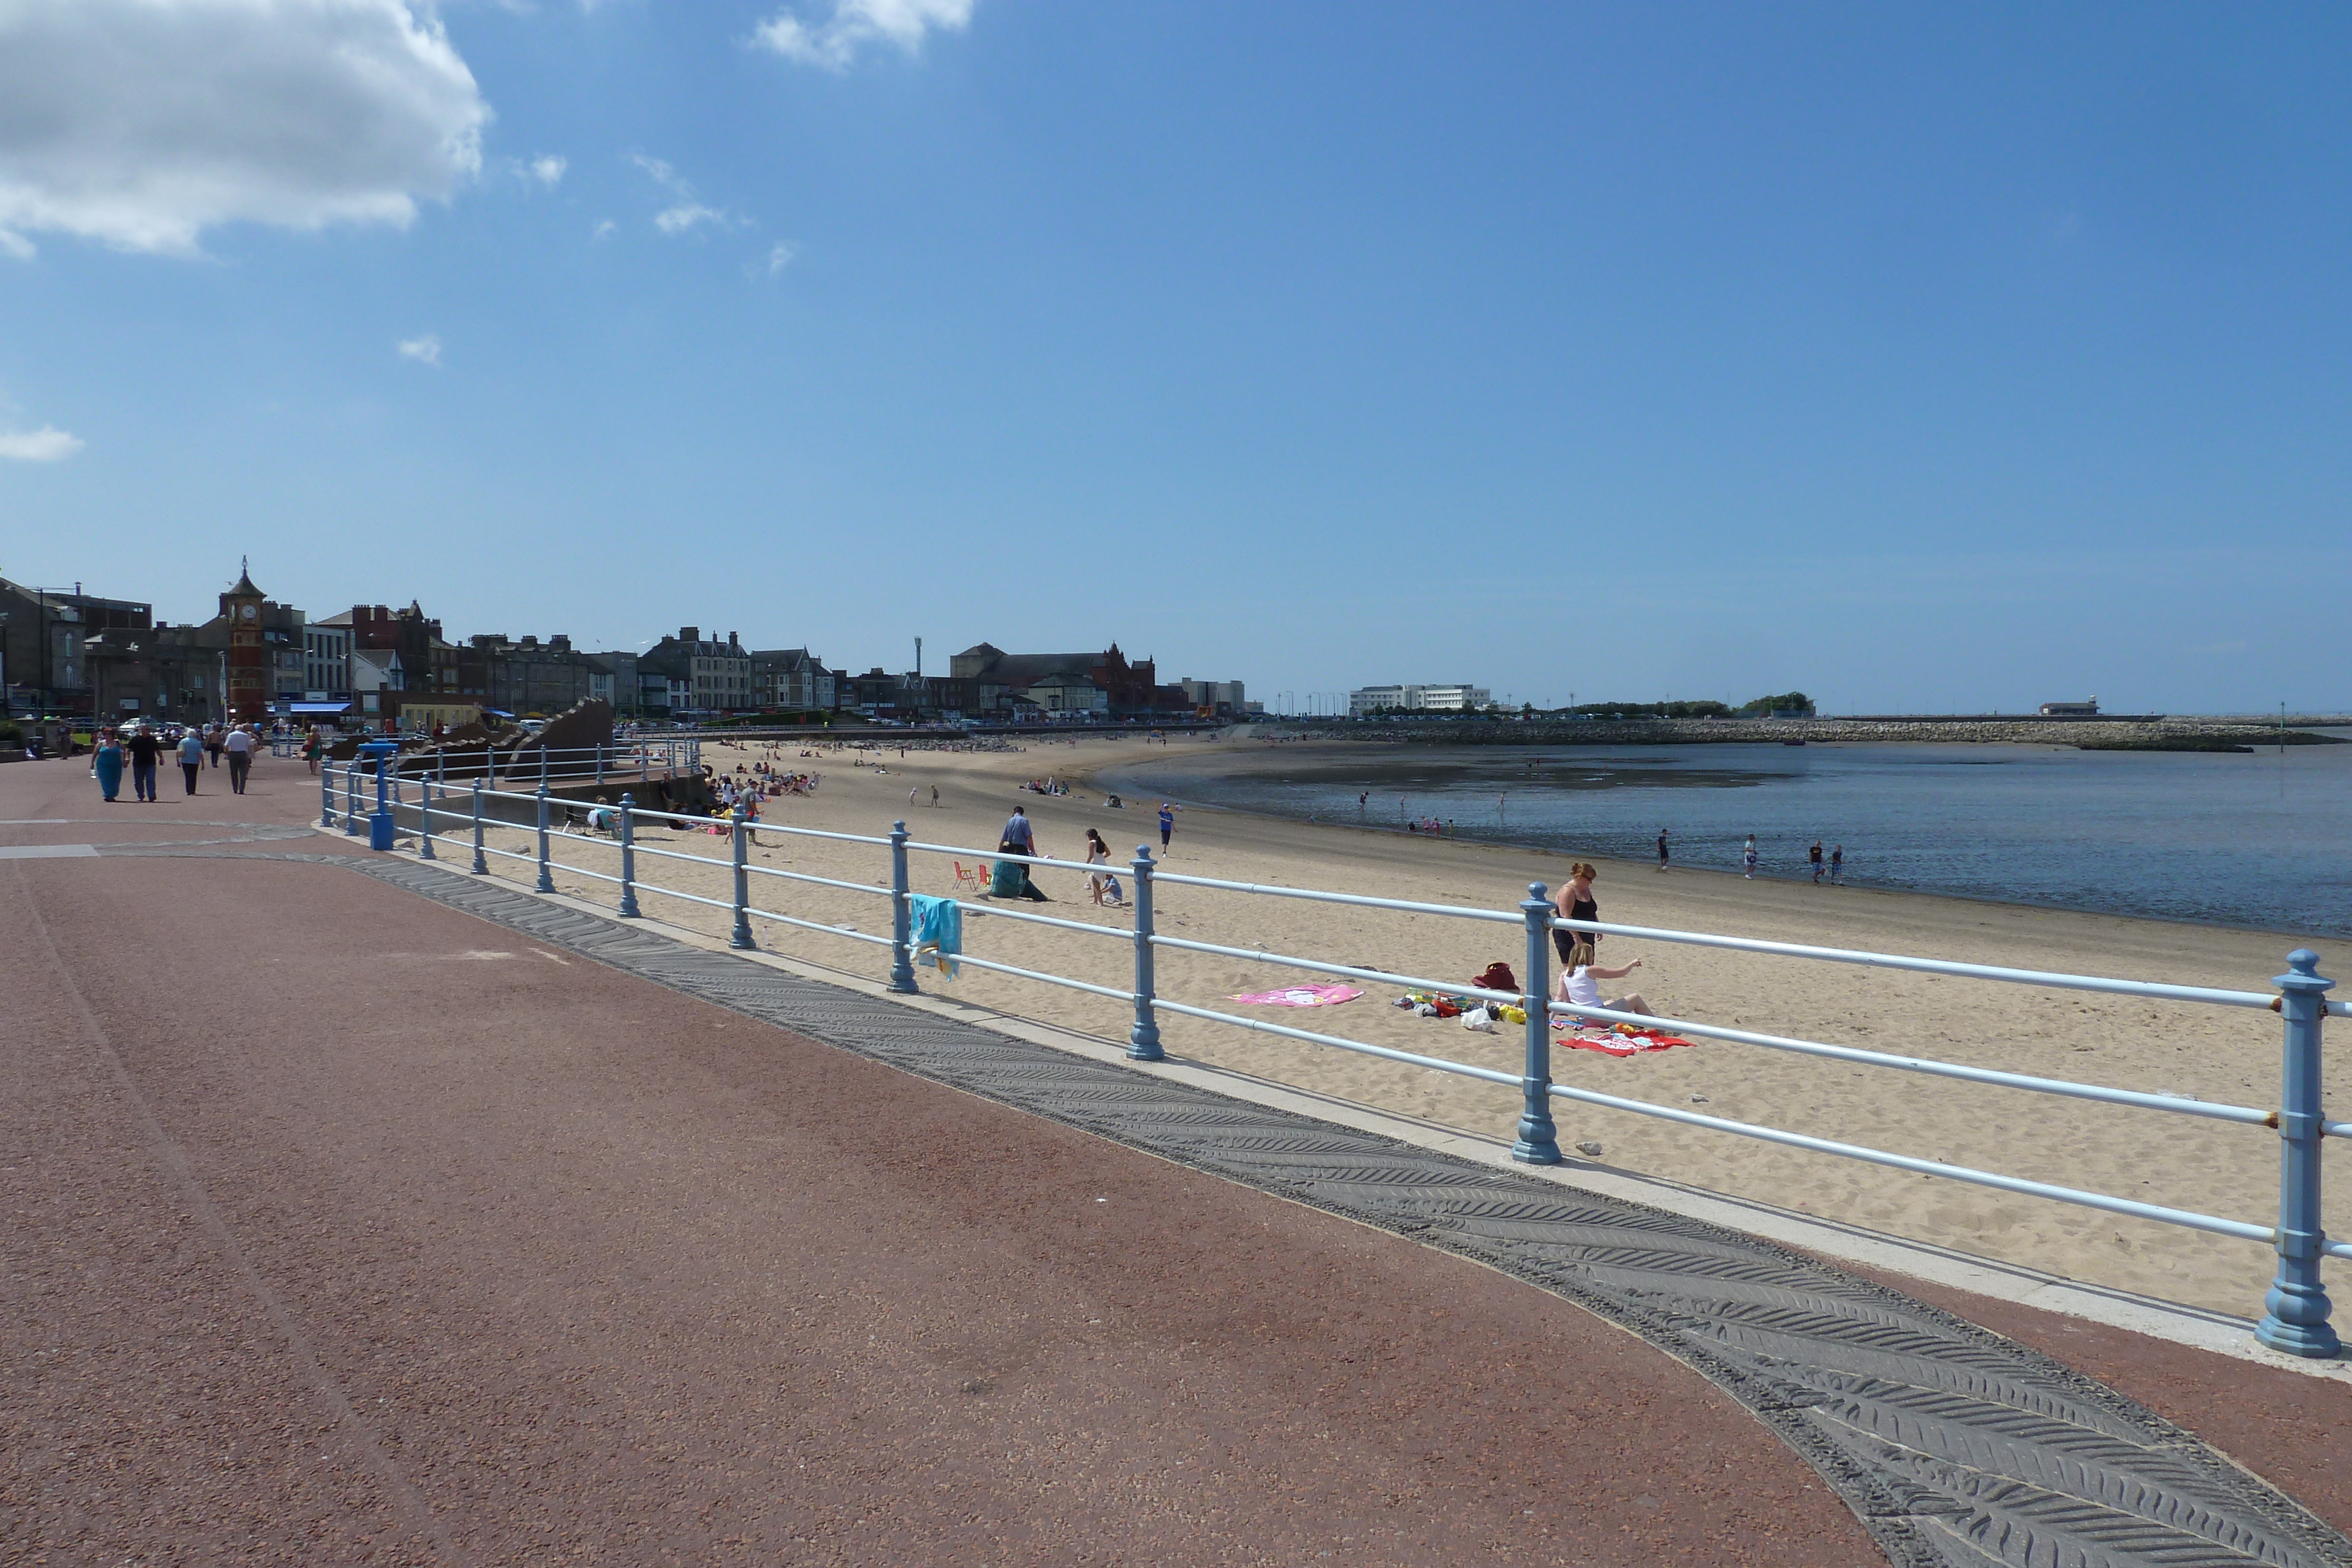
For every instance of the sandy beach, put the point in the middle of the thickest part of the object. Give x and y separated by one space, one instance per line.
2205 1052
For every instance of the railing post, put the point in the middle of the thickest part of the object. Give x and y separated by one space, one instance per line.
481 861
326 796
425 817
440 768
1143 1035
902 917
628 857
543 767
546 884
1538 1142
2296 1321
741 935
352 798
600 762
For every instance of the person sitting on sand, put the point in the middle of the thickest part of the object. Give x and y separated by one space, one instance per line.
1577 986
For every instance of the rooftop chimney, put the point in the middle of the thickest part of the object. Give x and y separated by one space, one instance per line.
689 633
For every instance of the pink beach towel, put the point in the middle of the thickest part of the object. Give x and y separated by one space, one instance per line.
1623 1044
1302 996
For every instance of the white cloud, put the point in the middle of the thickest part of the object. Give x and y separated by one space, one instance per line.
779 258
682 215
424 351
549 169
47 444
833 42
603 230
143 122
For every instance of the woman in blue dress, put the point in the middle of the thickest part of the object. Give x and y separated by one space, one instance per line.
107 764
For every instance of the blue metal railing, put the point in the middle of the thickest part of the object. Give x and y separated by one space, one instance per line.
2297 1308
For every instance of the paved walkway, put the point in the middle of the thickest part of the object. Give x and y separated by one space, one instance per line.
484 1251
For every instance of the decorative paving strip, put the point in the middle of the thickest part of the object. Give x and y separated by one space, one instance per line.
1956 1449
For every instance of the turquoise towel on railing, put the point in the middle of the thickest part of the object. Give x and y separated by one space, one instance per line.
937 931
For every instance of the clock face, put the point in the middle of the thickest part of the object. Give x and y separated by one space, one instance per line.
250 611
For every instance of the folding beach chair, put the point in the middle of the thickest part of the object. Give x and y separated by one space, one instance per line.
973 877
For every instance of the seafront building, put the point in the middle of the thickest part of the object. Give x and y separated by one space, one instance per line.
1460 698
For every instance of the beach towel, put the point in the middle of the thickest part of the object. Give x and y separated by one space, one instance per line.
1302 996
1624 1041
935 925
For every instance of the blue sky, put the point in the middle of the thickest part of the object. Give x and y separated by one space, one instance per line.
1917 359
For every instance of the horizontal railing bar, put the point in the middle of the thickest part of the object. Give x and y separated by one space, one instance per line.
1933 966
993 913
807 876
1356 899
2335 1248
2174 1103
1039 975
689 897
816 925
1046 861
1322 967
582 870
644 849
509 854
1435 1064
1458 911
2336 1129
2182 1216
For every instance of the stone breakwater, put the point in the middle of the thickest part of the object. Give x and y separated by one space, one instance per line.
2134 734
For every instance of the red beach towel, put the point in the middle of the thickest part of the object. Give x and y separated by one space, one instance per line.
1623 1044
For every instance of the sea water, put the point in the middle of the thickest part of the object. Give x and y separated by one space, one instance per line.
2262 841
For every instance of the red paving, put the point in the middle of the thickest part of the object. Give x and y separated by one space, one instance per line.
348 1228
335 1238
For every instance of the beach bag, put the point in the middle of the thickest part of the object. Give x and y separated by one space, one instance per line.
1004 878
1478 1018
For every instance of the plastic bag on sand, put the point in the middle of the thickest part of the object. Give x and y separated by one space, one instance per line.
1479 1020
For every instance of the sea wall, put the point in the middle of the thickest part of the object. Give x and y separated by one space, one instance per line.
2130 734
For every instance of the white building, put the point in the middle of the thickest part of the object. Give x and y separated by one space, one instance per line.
327 661
1458 699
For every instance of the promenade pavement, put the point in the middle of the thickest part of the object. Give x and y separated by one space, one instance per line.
345 1226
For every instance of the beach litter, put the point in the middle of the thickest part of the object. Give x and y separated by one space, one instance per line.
1301 996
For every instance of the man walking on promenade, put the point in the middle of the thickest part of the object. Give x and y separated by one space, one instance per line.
191 757
144 748
1167 826
1817 862
212 744
238 744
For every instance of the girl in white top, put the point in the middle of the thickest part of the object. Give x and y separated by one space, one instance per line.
1098 853
1577 985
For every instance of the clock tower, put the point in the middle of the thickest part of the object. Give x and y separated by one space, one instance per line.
246 695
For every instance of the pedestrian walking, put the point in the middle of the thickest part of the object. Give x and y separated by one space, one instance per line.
313 749
191 759
1837 866
106 765
146 747
1815 854
935 797
1167 828
1662 849
1575 901
212 740
238 744
1748 858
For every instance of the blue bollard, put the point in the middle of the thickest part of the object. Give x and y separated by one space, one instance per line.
1538 1142
380 831
2296 1319
546 884
628 857
741 935
1143 1035
902 917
